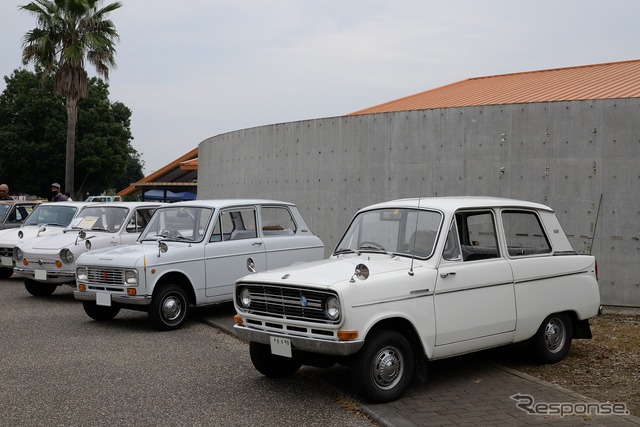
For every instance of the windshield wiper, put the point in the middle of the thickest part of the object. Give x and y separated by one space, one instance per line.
345 251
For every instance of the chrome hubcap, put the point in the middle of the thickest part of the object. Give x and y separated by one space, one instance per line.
554 335
171 308
388 367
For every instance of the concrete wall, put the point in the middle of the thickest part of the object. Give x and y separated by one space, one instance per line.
579 157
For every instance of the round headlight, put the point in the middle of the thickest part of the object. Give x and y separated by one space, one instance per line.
66 255
81 273
245 297
332 308
131 277
17 253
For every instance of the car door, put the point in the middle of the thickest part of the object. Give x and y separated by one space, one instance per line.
233 251
278 228
474 293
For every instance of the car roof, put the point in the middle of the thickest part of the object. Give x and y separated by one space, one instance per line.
19 202
223 203
125 204
453 203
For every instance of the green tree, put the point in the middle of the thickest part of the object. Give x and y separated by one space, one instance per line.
68 34
32 128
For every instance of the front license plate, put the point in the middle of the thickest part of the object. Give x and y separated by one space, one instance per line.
41 274
103 298
281 346
7 261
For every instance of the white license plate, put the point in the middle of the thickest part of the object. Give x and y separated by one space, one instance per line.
103 298
281 346
41 274
7 261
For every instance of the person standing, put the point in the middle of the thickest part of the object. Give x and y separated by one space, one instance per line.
57 195
4 192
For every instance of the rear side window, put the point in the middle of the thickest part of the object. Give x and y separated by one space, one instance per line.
277 221
524 234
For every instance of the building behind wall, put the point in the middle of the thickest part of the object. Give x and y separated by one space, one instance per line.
578 156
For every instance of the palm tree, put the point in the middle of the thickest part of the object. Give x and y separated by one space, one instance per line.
68 34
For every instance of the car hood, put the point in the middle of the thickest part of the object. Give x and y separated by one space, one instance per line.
329 272
9 237
132 255
57 241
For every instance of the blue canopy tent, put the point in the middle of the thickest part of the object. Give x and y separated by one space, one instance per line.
167 196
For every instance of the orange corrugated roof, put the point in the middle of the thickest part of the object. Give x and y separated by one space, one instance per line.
598 81
162 171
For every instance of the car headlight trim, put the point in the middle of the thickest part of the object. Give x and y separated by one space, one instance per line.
66 255
18 254
332 308
131 277
245 297
81 273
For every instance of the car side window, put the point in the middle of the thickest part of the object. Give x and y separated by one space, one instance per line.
277 221
524 233
139 220
235 224
477 235
452 251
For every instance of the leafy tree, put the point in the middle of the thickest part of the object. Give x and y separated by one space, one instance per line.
68 34
32 129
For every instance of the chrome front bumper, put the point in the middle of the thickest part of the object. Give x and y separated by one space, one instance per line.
117 298
310 345
52 276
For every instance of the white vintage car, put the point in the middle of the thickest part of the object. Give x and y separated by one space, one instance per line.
191 253
50 261
422 279
46 219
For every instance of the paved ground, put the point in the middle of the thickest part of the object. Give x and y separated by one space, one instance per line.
463 391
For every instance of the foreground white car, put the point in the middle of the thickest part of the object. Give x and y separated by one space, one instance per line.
191 253
46 219
50 261
417 280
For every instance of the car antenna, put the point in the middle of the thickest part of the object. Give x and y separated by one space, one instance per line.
413 249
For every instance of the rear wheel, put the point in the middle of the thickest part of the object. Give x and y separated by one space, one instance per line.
552 341
169 307
383 368
38 289
99 312
269 364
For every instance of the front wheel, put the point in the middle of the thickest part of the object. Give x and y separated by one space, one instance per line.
552 341
99 312
38 289
271 365
383 368
169 308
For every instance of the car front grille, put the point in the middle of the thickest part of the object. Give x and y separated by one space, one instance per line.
6 251
105 276
293 303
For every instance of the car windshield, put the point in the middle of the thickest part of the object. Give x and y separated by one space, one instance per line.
4 208
183 223
100 218
405 232
52 214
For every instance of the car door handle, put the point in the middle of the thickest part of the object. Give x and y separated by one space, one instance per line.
445 275
256 244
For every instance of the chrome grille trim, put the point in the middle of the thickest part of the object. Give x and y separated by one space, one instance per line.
106 276
287 302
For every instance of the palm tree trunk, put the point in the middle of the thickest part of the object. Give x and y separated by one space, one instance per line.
72 118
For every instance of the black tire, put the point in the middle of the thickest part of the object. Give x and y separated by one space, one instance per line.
271 365
100 313
38 289
383 368
169 307
552 341
5 273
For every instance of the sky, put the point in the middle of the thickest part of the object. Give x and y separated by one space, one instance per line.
193 69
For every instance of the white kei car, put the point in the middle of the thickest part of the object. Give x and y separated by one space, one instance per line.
416 280
46 219
190 254
50 261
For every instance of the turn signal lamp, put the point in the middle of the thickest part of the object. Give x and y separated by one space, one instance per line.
131 291
58 263
82 287
238 319
25 262
347 335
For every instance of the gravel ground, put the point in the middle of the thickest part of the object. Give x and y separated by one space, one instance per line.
605 368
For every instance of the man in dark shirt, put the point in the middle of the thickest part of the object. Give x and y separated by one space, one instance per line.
4 192
57 195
